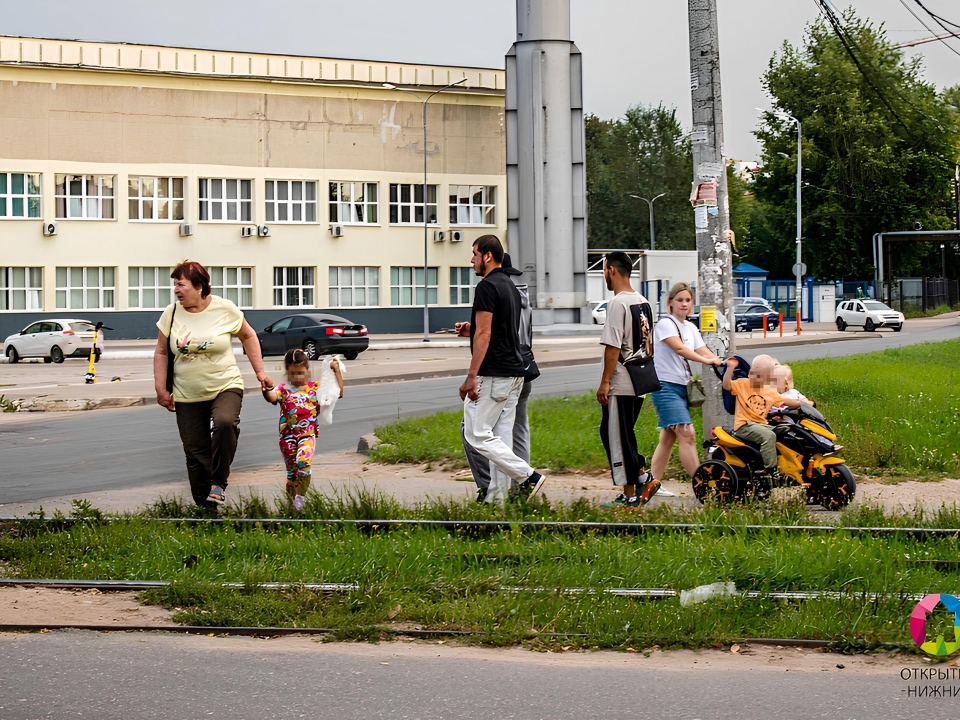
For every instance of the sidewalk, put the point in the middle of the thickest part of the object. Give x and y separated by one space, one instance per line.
391 358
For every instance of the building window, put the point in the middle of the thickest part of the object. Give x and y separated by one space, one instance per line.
354 286
293 286
406 204
84 197
291 201
85 288
473 205
406 286
21 288
155 198
233 283
354 203
19 195
149 288
225 200
463 280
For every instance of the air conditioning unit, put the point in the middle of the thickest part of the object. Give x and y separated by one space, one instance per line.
336 230
439 236
49 228
456 236
247 231
263 231
186 229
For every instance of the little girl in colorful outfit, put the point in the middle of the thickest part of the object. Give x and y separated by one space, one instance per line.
299 407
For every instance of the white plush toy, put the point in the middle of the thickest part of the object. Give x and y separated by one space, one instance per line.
329 391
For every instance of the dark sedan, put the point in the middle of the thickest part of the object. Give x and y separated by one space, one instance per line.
316 334
747 317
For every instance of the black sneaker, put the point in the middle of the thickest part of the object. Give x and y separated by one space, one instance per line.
481 495
531 486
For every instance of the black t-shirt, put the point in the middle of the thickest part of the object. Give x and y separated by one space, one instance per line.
497 294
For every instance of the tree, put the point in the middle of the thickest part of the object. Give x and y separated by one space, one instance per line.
645 153
879 146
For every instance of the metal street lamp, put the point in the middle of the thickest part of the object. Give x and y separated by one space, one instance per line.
426 217
799 266
653 242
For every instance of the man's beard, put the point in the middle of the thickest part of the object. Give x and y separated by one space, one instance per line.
609 282
482 270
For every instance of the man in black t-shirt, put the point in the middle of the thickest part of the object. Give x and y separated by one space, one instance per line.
495 379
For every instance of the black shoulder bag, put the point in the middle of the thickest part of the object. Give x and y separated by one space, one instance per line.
170 356
639 365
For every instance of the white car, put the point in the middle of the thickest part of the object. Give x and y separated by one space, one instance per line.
53 340
869 314
752 301
600 313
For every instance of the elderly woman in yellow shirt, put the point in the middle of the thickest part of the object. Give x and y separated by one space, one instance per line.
207 389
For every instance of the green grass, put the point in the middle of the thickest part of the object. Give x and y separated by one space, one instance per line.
893 410
930 312
450 580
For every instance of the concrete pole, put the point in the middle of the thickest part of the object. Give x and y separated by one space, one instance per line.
712 223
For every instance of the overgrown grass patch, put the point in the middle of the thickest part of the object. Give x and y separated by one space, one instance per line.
893 410
439 579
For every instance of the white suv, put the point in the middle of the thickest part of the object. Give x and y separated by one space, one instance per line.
867 313
53 340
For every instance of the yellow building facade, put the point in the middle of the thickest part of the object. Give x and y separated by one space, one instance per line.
297 181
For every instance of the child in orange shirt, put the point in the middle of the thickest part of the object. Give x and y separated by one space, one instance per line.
755 396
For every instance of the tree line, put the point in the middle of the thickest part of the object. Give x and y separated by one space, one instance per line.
880 148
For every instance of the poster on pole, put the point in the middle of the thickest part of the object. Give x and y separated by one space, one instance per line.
708 319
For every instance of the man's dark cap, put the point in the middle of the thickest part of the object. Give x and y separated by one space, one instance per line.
508 267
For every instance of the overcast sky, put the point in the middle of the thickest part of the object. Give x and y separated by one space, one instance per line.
634 51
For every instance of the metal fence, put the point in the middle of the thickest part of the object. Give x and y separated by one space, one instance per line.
920 294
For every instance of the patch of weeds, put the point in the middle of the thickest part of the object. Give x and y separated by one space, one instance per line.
9 406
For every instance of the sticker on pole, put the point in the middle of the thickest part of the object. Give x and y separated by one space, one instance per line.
708 318
799 269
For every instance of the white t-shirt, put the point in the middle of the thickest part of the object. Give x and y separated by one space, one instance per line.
618 333
671 367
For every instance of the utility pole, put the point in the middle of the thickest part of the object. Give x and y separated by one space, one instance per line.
710 202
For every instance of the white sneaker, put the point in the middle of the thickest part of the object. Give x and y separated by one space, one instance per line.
662 492
299 501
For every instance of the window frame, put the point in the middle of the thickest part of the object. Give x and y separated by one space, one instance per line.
400 286
300 286
156 287
367 287
239 286
271 187
206 184
8 196
155 199
454 204
85 287
411 205
457 287
85 197
7 288
334 205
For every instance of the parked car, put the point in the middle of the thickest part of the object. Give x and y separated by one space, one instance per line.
870 314
752 301
747 317
752 317
600 313
316 334
54 340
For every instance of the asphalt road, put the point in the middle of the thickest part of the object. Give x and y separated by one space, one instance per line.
154 676
49 454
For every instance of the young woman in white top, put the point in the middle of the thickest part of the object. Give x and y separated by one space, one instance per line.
677 341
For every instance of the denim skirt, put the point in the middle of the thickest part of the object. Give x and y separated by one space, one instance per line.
670 402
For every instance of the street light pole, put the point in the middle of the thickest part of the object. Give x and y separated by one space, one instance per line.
653 242
426 217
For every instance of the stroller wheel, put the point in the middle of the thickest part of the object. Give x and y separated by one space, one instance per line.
837 488
717 478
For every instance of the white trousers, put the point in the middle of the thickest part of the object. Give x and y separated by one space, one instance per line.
488 427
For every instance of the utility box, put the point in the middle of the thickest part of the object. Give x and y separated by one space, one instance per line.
825 303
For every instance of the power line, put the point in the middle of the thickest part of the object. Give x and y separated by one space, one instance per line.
930 29
940 20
